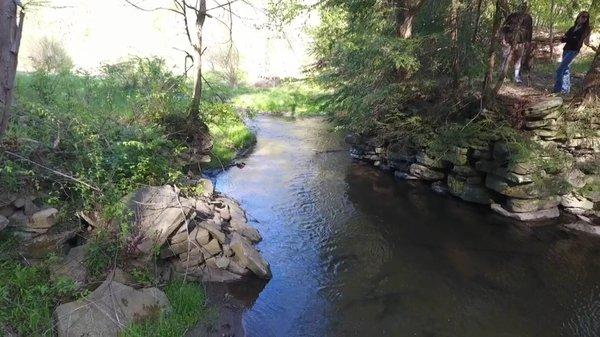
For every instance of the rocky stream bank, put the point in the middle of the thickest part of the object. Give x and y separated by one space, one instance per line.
204 237
491 173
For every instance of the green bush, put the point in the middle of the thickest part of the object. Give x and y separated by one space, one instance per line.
50 56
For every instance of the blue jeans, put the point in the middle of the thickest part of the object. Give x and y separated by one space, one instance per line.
563 73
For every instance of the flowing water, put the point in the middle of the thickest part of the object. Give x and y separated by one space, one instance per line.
356 253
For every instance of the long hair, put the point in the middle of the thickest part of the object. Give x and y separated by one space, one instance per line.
586 26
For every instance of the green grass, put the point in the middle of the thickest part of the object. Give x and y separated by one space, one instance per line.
27 295
115 131
228 140
188 309
294 97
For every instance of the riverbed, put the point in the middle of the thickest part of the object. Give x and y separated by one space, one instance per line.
356 253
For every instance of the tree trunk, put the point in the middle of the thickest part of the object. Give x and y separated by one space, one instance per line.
454 41
10 38
477 20
405 12
197 97
487 91
591 82
552 30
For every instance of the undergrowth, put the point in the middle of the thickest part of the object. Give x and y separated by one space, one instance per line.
27 294
188 308
296 98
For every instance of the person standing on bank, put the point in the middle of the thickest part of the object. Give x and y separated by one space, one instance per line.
515 36
574 39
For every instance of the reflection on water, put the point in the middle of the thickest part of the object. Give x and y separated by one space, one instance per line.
355 253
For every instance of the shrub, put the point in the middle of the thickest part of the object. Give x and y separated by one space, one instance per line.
49 56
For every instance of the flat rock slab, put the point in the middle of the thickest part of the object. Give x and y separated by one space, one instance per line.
584 227
72 267
206 273
531 205
247 256
543 108
425 173
108 310
159 211
529 216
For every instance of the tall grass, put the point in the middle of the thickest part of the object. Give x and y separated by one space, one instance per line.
297 98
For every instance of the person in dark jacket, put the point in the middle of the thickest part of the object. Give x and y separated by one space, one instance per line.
574 39
516 34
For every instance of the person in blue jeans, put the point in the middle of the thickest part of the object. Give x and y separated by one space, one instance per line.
574 39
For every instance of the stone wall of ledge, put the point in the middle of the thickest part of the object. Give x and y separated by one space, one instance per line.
486 174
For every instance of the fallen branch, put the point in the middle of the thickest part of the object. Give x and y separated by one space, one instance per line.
53 171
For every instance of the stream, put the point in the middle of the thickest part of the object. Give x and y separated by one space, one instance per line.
355 253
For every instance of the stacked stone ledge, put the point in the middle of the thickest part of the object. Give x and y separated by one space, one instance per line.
205 238
36 225
486 174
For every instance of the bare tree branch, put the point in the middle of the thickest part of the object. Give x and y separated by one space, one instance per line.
152 9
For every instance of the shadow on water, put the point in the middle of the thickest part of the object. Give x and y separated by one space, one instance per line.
355 253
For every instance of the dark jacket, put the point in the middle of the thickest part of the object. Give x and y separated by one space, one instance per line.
575 37
517 28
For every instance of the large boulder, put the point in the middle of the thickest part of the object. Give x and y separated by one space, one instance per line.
108 310
159 211
248 257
